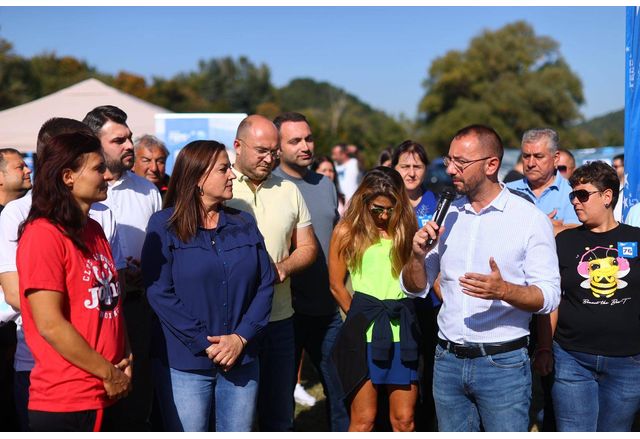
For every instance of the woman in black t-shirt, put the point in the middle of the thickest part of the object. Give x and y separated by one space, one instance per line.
596 329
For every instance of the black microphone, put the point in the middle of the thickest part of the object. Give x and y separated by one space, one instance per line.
446 197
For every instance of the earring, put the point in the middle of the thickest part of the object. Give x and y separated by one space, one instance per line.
200 190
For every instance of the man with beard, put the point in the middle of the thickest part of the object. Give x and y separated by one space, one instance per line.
133 200
496 256
285 223
316 319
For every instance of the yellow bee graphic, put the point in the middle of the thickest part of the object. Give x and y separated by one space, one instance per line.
603 270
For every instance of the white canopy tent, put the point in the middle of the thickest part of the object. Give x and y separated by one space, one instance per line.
19 125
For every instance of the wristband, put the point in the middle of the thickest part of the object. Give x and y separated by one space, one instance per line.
543 350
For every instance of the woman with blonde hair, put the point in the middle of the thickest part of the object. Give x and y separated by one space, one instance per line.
377 346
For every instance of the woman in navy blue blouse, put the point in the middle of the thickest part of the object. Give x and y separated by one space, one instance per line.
210 282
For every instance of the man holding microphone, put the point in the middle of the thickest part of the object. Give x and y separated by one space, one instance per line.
496 256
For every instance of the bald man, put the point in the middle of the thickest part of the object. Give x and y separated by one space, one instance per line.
285 223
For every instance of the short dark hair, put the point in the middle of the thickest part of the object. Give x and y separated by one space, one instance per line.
619 157
342 146
409 146
3 152
488 137
385 154
599 174
290 116
569 153
99 116
57 126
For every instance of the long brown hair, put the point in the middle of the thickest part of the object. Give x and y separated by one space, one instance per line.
360 229
195 160
51 198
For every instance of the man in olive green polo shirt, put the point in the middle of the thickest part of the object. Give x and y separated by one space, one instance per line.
285 223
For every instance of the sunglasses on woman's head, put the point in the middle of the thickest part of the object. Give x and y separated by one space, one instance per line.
582 195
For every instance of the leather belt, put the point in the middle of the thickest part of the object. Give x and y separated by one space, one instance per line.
475 350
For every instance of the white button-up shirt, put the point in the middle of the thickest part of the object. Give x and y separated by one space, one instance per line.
17 211
133 200
520 239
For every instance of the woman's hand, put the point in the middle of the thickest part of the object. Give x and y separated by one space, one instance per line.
126 365
225 349
118 383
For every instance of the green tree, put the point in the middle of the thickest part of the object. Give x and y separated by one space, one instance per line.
339 117
55 73
230 85
509 79
18 83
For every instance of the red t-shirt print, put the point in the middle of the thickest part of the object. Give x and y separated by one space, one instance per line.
105 292
48 260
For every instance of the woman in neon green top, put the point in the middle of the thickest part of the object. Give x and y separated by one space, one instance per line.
373 242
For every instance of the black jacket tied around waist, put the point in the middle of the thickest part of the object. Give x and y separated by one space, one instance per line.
349 354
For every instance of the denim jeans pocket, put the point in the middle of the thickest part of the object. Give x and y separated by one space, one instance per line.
439 353
509 360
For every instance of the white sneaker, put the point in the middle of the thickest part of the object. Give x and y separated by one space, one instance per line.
302 397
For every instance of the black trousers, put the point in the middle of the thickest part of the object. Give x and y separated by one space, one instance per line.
82 421
134 411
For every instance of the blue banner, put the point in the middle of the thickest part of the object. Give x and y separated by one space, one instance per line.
631 112
178 129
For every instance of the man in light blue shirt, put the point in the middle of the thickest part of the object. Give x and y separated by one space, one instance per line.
542 183
496 256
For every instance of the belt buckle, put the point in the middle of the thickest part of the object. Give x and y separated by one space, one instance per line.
458 352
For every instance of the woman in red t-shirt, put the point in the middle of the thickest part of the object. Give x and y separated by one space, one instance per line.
69 292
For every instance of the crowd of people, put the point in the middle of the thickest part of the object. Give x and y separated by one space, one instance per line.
141 301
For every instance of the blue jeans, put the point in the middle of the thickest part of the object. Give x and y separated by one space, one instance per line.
188 399
316 335
495 389
595 392
277 377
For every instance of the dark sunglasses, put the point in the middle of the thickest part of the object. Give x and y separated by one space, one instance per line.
582 195
562 168
377 210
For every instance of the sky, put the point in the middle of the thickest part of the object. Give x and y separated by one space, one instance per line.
380 54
